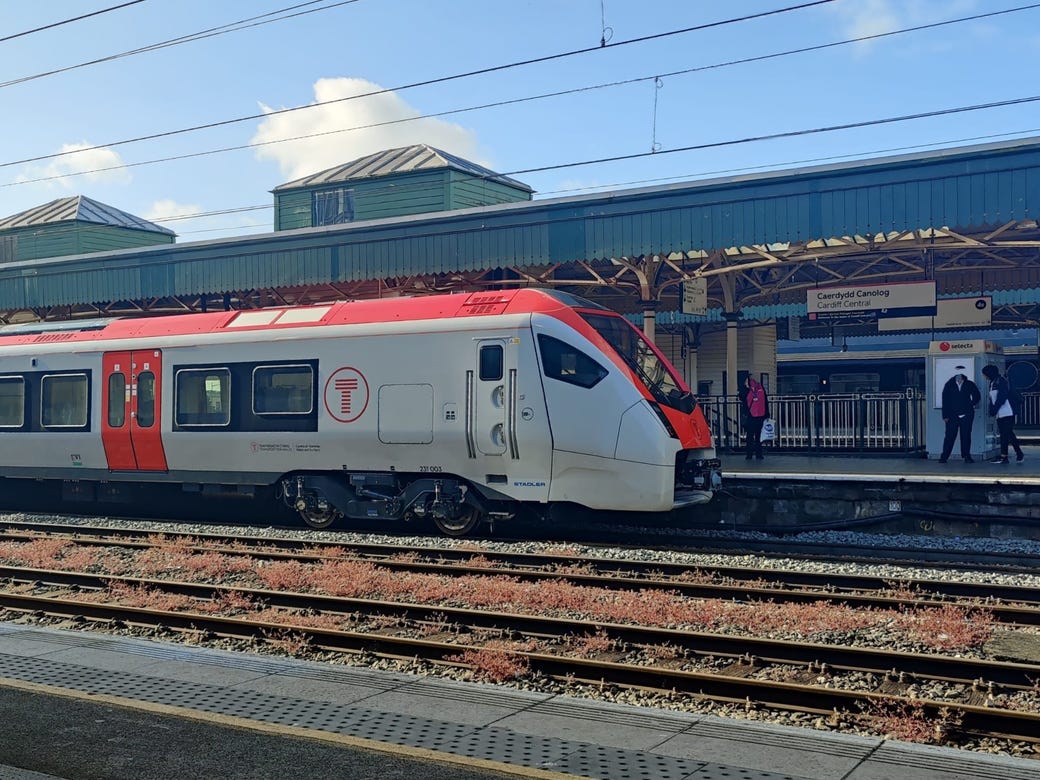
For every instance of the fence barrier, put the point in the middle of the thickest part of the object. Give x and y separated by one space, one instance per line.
842 422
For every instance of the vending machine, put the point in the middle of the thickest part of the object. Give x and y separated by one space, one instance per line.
946 359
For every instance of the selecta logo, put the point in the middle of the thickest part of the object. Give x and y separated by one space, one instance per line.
944 346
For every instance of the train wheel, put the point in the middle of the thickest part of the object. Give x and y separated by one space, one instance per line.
319 519
469 519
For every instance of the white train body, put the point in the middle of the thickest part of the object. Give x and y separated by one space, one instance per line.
457 407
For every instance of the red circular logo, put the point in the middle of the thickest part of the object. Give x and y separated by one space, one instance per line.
944 346
346 395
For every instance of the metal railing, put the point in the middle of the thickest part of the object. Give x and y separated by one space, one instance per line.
1029 416
842 422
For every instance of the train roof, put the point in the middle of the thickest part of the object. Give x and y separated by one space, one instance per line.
433 307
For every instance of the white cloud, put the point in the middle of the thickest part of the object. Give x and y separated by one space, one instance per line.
100 165
310 155
860 18
868 17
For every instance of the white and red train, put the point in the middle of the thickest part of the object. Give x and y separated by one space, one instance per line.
456 408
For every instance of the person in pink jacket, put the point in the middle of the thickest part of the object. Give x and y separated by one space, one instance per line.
756 410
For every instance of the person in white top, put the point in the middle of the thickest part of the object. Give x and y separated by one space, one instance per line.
1000 407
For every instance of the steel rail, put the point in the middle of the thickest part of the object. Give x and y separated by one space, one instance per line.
1023 609
969 719
613 566
885 663
975 560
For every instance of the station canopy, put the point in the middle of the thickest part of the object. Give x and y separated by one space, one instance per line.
965 217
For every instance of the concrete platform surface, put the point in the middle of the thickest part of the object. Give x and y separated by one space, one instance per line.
77 704
889 468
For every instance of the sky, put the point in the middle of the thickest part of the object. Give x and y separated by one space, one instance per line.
286 88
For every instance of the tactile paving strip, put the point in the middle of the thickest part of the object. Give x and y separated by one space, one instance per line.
487 743
895 755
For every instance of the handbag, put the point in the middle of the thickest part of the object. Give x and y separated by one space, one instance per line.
768 430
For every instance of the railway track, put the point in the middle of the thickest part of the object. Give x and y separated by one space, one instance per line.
962 696
692 540
1009 604
760 672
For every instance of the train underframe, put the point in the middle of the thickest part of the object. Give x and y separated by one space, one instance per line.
449 502
454 506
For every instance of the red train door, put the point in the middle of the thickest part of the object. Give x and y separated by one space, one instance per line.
130 414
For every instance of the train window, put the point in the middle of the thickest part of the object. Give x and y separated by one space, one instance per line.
63 401
116 400
146 399
287 389
568 364
203 397
491 358
12 402
634 348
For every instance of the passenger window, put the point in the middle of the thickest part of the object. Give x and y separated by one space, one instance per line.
146 399
12 402
203 397
116 400
63 402
285 389
491 357
568 364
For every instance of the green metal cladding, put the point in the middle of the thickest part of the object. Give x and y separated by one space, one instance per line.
415 179
961 188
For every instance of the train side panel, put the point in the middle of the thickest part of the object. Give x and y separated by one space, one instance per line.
394 401
52 436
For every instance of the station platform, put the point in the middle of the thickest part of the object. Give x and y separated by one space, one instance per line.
886 468
892 493
78 704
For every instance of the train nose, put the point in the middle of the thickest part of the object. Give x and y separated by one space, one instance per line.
643 438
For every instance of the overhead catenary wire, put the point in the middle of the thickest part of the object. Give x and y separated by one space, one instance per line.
775 136
224 29
804 161
79 18
563 165
426 82
542 96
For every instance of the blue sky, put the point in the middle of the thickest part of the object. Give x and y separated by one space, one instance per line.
344 49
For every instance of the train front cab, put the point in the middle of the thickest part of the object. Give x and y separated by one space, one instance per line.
658 456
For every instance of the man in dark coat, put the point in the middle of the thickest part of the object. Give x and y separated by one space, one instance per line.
960 398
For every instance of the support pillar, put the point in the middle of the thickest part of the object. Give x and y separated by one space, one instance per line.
650 319
732 315
732 331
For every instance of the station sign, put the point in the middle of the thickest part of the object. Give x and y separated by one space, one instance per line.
695 296
902 299
949 313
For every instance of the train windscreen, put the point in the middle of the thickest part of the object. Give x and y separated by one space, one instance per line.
635 350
